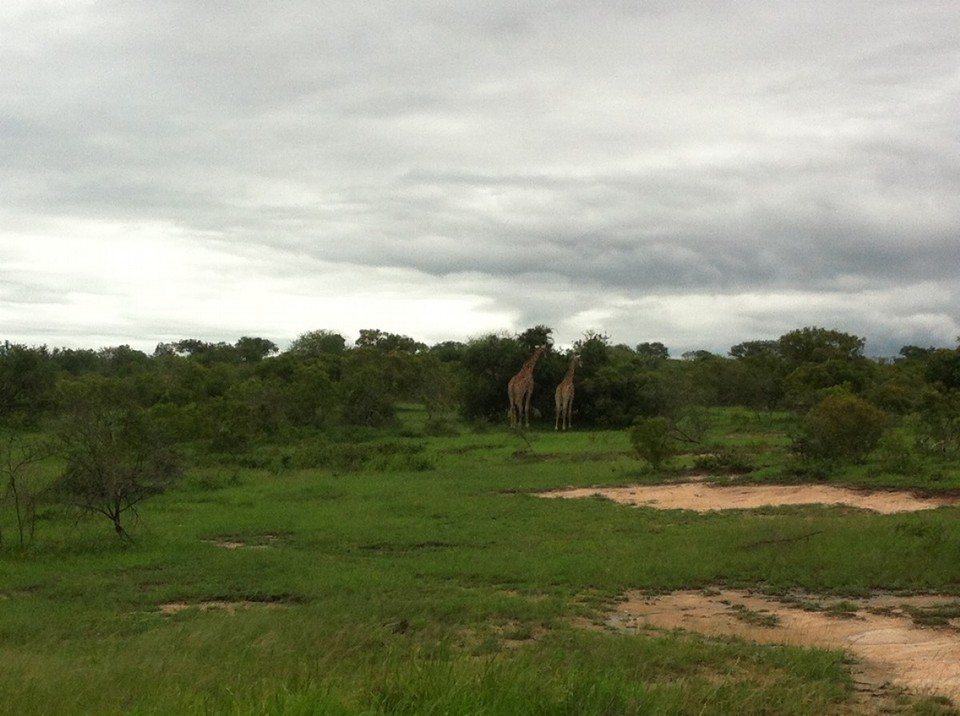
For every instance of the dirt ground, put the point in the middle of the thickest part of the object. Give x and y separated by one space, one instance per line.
879 632
889 649
703 497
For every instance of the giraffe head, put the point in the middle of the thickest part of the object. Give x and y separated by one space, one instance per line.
575 363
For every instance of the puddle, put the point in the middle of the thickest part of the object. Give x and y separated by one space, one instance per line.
879 632
704 497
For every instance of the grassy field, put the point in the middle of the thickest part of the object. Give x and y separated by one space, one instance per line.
430 579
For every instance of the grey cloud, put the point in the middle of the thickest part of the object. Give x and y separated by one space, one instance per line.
620 150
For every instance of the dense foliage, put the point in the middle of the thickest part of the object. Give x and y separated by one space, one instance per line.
228 395
227 401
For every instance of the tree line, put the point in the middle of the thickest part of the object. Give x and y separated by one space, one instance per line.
121 421
231 393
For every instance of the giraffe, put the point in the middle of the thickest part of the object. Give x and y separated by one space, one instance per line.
563 397
520 390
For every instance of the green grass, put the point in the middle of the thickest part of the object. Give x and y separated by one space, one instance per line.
454 589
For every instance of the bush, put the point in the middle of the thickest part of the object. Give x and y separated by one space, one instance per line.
897 453
651 438
841 427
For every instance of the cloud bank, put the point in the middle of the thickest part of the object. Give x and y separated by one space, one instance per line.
692 173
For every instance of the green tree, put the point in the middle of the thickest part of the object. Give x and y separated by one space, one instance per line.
122 360
250 408
75 361
943 369
697 355
366 397
488 364
207 353
383 341
620 392
254 350
448 351
916 353
818 360
440 389
317 343
753 379
818 345
302 388
26 381
594 349
595 353
809 382
897 387
652 354
536 336
749 349
939 421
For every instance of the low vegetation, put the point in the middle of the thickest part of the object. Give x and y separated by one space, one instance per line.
356 530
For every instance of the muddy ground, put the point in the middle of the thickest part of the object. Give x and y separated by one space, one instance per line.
890 649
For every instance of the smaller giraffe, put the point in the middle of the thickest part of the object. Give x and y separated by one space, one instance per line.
520 390
563 397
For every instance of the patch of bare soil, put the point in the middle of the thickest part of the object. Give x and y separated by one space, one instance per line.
703 497
879 632
228 607
261 542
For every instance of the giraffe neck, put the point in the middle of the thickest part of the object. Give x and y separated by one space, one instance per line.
532 360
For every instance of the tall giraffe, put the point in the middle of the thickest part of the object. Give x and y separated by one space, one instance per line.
563 397
520 390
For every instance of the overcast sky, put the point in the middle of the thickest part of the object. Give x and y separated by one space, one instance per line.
697 173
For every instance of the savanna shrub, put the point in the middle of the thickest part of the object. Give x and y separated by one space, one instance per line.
652 439
841 427
114 454
897 452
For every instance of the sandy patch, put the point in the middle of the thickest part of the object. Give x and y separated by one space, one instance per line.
228 607
259 542
879 632
228 544
703 497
